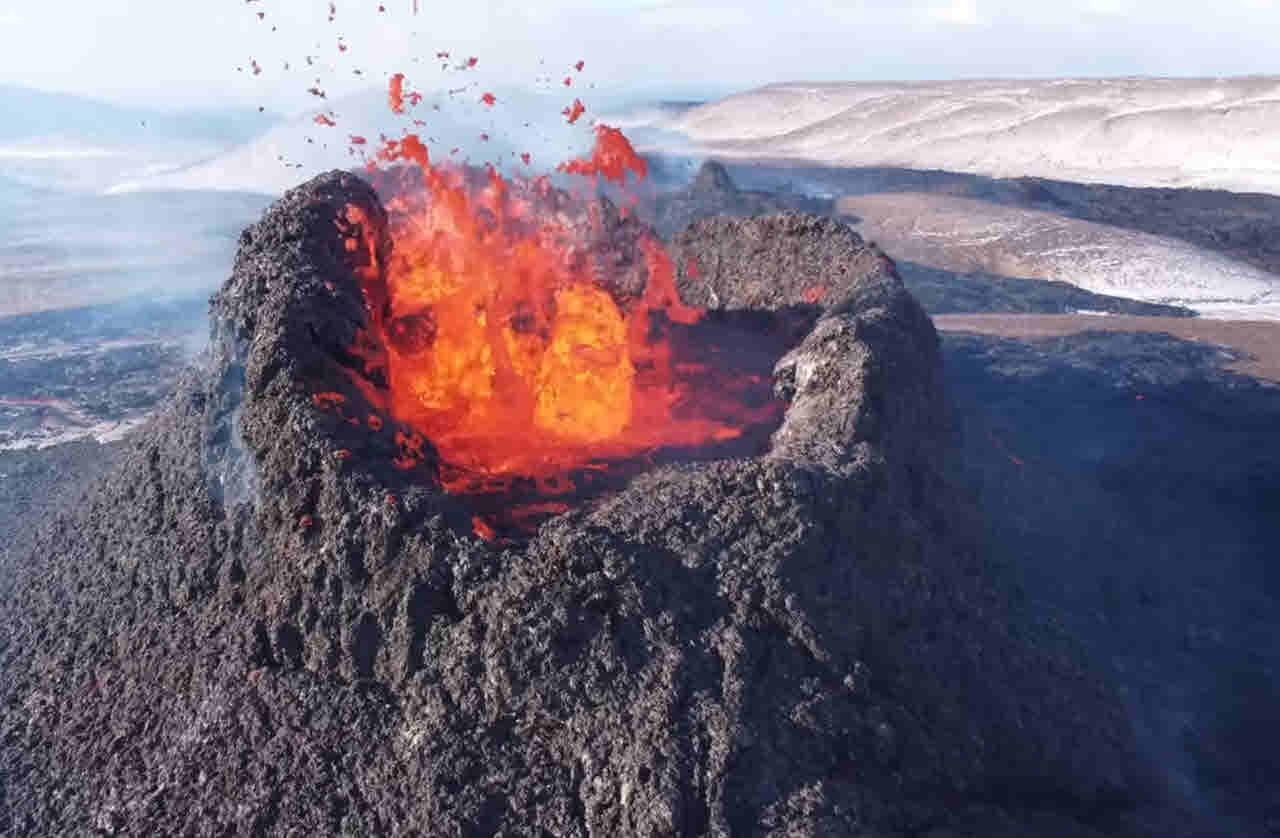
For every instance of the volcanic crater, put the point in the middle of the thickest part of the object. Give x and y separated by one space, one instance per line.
268 620
528 351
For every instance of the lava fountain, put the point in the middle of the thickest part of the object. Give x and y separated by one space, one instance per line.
540 374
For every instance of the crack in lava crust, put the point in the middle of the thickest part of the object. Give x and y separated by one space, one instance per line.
537 377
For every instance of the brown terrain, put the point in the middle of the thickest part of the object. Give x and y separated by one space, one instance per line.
1258 341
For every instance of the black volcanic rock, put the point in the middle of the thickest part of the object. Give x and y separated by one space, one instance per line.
712 180
258 625
713 193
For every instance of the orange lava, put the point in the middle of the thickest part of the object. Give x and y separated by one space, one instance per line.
612 157
327 400
483 529
574 111
512 356
395 94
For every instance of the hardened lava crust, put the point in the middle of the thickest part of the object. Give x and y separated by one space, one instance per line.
258 624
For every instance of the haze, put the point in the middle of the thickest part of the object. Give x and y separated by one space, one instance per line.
179 54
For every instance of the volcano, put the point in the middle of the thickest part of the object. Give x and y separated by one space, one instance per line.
278 616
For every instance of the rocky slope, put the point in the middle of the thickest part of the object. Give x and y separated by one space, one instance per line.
258 625
1129 480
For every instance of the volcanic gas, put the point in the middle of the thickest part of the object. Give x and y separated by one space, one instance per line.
540 373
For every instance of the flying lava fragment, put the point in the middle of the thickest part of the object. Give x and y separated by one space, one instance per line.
576 110
395 94
612 157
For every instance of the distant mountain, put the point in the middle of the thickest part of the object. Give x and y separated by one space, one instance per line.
1204 133
67 142
34 114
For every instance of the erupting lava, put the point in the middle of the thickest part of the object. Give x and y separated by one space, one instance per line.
499 340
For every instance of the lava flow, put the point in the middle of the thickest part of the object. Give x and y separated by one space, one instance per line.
533 376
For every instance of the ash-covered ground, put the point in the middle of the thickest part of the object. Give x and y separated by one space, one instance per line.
73 384
1121 482
92 372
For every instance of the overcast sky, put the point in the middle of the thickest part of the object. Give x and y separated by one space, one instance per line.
188 51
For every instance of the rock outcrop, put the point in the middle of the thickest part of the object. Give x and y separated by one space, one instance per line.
713 193
258 625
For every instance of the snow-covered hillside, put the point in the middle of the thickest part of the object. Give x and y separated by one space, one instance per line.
1206 133
962 235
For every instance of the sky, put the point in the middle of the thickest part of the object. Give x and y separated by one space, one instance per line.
197 54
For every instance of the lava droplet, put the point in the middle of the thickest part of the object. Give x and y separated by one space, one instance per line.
395 94
573 112
611 158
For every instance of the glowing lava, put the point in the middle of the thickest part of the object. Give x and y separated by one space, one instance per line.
523 364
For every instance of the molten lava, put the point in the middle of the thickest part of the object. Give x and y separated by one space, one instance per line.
523 365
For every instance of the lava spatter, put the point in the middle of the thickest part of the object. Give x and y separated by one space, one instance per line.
611 158
574 111
395 93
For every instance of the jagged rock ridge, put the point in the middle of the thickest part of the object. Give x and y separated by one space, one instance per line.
240 632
